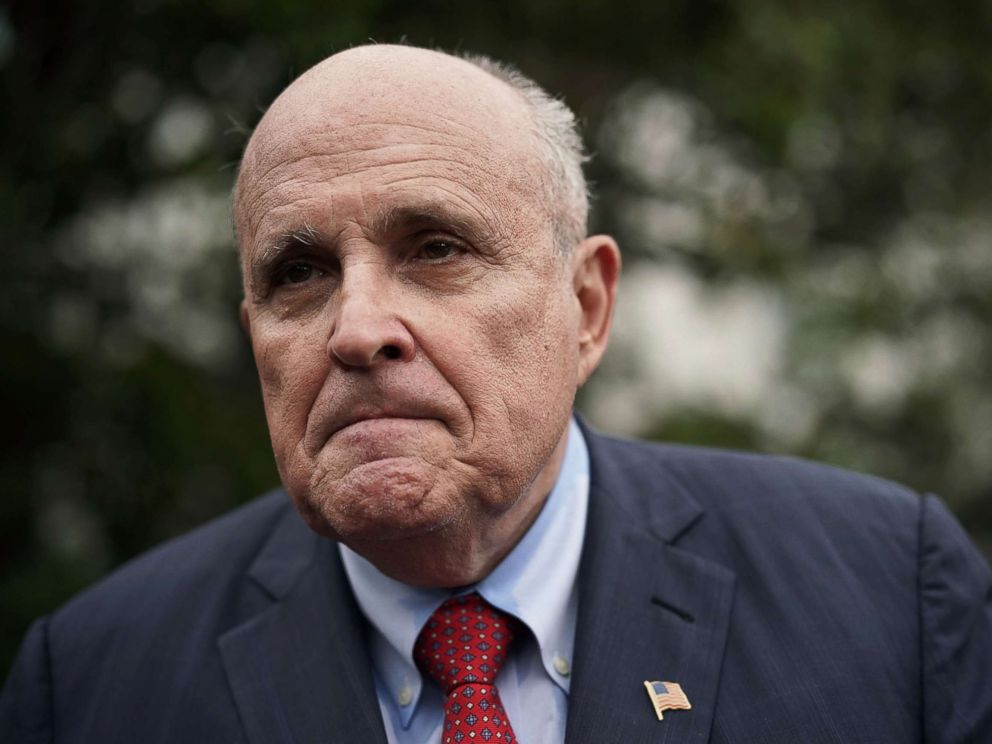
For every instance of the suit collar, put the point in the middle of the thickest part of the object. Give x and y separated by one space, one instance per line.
635 478
298 665
288 553
648 609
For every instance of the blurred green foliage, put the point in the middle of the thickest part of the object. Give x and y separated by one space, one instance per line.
854 139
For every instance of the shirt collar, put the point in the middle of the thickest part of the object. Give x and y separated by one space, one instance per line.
535 582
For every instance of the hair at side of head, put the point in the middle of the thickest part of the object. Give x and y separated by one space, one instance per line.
562 151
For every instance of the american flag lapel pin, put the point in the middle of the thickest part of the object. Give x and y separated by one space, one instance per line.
666 696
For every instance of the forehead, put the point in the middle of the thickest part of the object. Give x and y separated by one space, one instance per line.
390 137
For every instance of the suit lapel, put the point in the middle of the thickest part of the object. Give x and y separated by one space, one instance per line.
298 666
648 610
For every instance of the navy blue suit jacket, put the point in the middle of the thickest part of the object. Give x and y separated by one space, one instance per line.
792 602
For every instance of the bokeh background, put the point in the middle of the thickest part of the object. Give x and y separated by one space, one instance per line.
801 189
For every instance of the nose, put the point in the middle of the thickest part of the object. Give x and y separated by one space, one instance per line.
367 330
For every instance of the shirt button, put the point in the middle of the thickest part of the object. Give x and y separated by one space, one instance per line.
561 666
405 696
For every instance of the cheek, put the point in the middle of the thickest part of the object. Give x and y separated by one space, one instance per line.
532 333
544 374
519 363
292 367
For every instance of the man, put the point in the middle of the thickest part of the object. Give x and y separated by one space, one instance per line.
423 304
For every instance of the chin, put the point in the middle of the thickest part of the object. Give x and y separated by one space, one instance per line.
381 501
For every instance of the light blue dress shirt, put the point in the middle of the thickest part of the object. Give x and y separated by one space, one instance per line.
536 582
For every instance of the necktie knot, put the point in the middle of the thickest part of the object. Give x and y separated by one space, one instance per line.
464 641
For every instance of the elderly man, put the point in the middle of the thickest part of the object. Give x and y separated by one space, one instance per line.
472 564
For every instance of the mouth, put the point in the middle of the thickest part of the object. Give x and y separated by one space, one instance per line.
377 419
368 416
379 423
367 438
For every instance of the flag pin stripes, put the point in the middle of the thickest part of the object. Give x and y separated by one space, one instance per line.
666 696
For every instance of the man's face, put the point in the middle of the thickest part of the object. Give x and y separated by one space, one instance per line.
414 329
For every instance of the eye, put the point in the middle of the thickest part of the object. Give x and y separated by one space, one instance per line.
439 249
297 272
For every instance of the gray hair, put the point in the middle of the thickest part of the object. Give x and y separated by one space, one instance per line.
562 151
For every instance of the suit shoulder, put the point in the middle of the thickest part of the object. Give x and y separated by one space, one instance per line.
183 568
730 481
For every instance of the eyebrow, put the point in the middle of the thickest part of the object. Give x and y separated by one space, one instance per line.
305 236
431 214
428 214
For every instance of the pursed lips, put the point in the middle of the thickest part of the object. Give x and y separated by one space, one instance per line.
376 417
330 418
385 415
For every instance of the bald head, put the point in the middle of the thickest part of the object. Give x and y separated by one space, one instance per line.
530 137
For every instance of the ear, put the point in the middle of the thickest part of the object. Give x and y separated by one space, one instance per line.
596 270
245 320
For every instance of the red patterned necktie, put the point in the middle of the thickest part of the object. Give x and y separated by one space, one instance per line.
462 647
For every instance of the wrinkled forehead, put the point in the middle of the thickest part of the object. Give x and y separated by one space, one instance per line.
379 103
